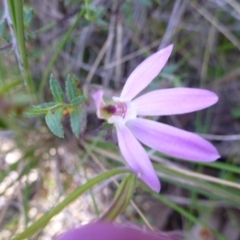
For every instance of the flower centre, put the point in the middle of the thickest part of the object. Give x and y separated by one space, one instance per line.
118 112
117 109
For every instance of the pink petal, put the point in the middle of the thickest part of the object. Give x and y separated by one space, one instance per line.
98 100
136 157
173 141
108 231
145 72
174 101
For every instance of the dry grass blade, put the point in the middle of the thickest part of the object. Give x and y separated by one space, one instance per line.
235 5
98 60
224 30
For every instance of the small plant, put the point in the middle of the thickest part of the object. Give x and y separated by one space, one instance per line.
54 111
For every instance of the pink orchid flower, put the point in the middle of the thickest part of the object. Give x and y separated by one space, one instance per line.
123 112
109 231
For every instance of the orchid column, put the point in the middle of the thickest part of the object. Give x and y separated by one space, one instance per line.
127 113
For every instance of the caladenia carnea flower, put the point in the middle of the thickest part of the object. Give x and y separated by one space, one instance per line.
110 231
127 114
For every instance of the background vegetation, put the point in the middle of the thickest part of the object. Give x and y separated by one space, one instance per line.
99 43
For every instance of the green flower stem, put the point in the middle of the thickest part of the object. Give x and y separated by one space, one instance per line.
40 223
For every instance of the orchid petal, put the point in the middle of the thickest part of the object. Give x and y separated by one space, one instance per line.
109 231
173 141
136 157
145 72
174 101
98 100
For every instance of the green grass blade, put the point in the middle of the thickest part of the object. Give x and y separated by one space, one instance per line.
39 224
183 212
16 10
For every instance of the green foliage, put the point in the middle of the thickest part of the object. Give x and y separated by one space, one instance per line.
55 111
56 89
78 101
28 14
94 13
16 11
41 109
53 120
59 48
122 198
71 89
183 212
236 112
147 3
75 119
38 225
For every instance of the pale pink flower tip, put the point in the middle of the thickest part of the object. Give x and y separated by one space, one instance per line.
123 112
109 231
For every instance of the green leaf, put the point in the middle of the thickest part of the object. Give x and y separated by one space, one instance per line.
75 119
41 109
78 121
28 15
40 223
56 89
122 198
53 120
71 89
77 101
83 121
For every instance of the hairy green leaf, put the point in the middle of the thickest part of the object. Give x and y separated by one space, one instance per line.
75 119
53 120
77 101
71 89
56 89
